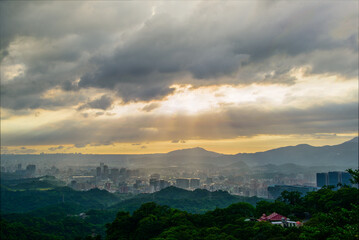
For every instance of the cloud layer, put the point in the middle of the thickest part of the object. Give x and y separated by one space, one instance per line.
139 50
119 72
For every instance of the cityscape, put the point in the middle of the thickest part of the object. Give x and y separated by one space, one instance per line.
125 180
136 181
105 187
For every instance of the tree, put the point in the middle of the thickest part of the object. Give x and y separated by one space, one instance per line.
355 175
270 207
121 228
292 198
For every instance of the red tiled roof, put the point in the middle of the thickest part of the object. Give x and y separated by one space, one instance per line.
272 217
262 218
275 217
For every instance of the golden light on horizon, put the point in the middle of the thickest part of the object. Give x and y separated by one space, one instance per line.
225 146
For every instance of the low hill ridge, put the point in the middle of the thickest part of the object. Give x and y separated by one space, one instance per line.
197 201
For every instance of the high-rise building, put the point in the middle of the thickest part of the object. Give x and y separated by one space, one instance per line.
154 184
31 169
182 182
98 171
122 187
123 171
128 173
155 176
105 171
115 172
322 179
108 186
194 183
137 184
334 178
164 184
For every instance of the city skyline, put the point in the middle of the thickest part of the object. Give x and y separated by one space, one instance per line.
152 77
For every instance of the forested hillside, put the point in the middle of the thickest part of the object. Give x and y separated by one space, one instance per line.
197 201
328 214
40 208
334 216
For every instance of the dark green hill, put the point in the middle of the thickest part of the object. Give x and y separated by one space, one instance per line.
60 221
197 201
13 200
39 183
333 214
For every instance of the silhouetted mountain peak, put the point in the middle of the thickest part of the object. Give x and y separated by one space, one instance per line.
304 145
197 151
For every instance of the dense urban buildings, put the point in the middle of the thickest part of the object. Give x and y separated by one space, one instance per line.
333 179
322 179
123 180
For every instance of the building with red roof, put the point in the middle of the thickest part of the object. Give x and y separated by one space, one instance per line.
276 218
272 217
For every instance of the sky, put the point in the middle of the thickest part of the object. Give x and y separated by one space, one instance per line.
135 77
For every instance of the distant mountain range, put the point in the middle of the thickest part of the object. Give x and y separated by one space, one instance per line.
339 156
345 154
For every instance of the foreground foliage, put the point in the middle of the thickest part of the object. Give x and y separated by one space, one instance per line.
334 216
327 214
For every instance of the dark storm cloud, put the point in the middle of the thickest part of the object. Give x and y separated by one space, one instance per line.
120 46
230 123
212 47
59 19
23 94
56 39
104 103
